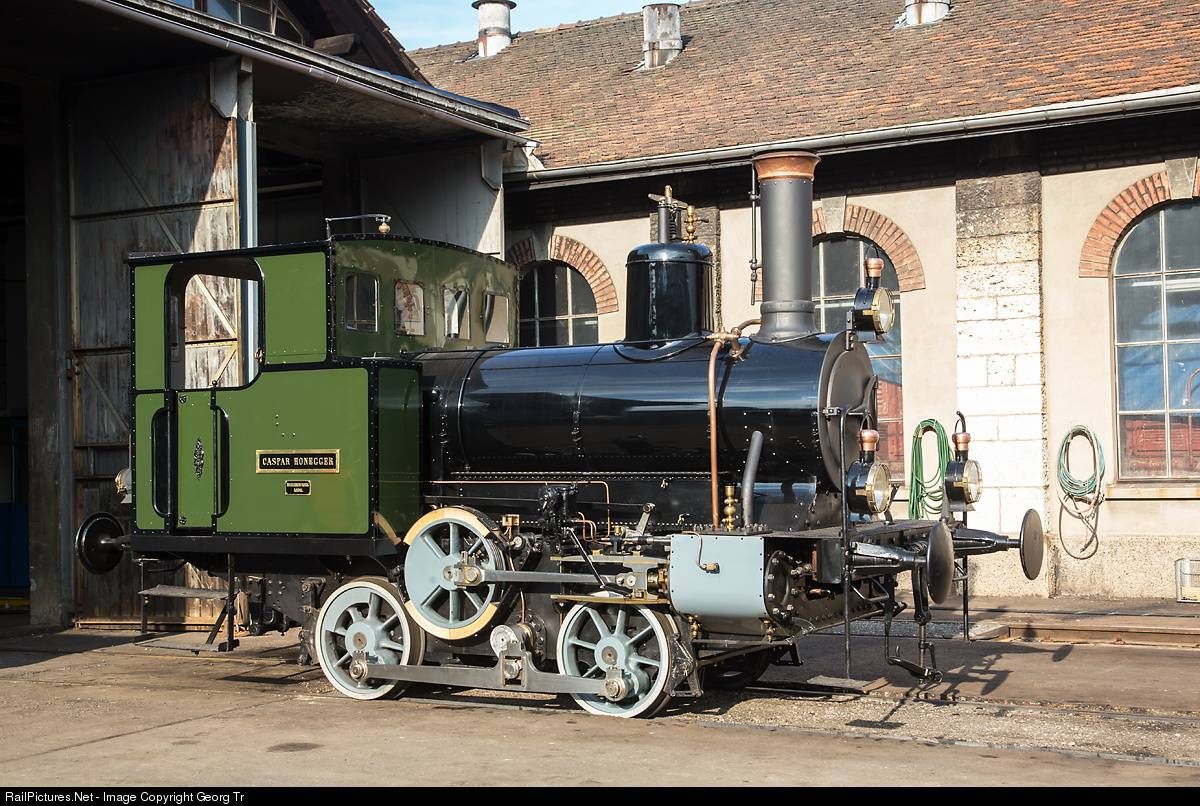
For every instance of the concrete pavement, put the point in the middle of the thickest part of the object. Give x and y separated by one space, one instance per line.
90 708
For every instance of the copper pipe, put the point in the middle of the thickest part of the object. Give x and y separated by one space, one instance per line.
718 340
712 426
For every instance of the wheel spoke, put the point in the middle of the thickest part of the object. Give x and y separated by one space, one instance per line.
622 619
582 644
599 622
337 629
395 646
373 607
641 636
475 600
478 544
343 660
455 540
454 605
392 622
434 597
591 671
432 545
644 661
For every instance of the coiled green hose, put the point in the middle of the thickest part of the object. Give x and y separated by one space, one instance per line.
925 495
1081 498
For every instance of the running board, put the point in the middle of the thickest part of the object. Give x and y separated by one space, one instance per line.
188 642
179 592
843 685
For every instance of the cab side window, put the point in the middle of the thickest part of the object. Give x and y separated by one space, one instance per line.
456 302
495 318
212 324
361 302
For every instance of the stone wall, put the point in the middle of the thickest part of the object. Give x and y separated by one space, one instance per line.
999 358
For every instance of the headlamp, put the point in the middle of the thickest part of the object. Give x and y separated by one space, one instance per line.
874 309
964 478
870 483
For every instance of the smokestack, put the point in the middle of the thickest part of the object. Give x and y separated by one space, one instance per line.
786 193
495 25
662 40
920 12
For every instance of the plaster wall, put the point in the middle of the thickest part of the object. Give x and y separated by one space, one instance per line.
1144 526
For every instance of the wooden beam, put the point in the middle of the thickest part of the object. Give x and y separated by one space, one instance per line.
338 45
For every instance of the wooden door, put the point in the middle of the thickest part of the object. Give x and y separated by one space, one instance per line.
153 169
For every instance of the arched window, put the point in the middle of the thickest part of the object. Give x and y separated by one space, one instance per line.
839 273
1156 301
557 306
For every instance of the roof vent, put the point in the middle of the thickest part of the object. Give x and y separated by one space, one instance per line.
661 37
921 12
495 25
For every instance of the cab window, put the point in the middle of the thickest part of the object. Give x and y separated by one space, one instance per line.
495 318
212 323
456 302
362 302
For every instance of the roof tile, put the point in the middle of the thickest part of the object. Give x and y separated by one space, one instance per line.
759 71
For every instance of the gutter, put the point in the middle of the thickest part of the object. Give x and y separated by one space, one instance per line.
281 53
1038 117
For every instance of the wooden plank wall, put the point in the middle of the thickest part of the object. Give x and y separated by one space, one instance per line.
153 168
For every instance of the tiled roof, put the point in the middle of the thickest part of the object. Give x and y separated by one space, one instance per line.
756 71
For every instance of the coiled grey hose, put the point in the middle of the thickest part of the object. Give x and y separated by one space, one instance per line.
1081 498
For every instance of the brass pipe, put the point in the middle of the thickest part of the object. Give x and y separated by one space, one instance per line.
719 339
712 425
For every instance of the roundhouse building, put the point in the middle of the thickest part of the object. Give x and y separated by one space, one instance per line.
1027 169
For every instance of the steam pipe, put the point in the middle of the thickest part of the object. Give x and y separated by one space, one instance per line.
748 477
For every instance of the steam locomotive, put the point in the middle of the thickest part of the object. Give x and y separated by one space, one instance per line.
624 523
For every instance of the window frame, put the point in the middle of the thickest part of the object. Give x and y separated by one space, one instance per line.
571 317
866 248
464 323
274 11
486 317
1164 343
352 298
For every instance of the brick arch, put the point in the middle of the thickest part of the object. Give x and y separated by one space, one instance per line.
579 257
1114 220
576 255
877 227
522 253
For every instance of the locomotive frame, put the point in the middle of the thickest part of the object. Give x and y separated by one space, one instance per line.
430 505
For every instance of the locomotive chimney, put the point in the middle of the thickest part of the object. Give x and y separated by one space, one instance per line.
495 25
786 192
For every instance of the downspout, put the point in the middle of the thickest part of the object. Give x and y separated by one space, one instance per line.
247 157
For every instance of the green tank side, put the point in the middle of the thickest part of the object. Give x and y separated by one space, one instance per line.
312 413
145 405
295 289
149 326
399 448
196 468
415 276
